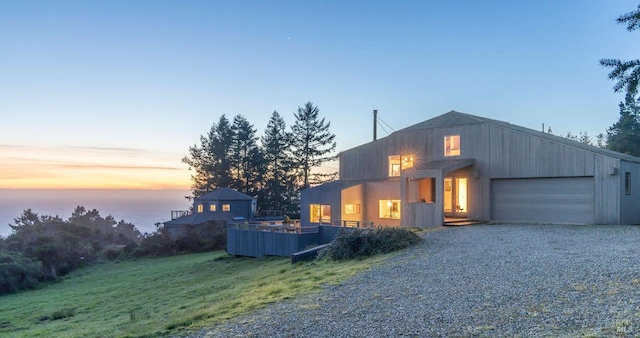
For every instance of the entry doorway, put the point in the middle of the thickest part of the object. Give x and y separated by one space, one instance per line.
455 197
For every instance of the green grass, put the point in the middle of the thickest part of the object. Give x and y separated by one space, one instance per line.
151 297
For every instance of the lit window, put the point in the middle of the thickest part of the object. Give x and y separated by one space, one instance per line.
406 162
212 207
200 208
389 209
226 207
452 145
627 183
320 213
350 209
394 165
398 163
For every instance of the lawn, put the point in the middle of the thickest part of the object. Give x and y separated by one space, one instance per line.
163 295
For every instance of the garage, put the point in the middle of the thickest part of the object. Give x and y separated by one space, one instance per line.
561 200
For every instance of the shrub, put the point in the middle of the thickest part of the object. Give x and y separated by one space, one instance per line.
352 243
17 272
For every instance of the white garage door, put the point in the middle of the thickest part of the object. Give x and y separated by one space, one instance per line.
565 200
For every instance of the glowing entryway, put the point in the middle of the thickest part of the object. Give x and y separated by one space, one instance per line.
455 196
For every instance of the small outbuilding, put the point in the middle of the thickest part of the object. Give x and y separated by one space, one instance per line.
466 167
222 204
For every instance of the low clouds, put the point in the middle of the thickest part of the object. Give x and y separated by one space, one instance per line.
89 167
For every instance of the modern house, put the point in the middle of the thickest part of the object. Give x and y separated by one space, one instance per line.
222 204
463 166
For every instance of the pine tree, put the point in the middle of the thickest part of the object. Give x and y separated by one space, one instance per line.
211 159
627 73
313 143
279 190
246 157
624 135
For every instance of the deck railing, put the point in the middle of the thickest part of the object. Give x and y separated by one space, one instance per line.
345 223
179 213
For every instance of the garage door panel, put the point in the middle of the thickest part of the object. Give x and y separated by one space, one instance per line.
567 200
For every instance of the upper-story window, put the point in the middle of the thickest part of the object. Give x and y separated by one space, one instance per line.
452 145
200 208
398 163
226 207
212 207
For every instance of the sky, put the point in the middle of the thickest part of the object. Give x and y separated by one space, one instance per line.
111 94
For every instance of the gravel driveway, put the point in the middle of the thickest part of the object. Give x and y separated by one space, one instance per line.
484 280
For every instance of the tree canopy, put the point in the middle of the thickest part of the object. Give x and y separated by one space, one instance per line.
626 73
273 167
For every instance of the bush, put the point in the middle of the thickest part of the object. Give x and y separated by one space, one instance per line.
17 272
210 236
352 243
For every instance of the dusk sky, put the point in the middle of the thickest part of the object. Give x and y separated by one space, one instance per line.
111 94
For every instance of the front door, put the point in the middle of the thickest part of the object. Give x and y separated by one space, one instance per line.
455 196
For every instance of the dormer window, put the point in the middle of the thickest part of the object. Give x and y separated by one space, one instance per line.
398 163
452 145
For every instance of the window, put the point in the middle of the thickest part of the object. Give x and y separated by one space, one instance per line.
399 162
351 209
226 207
389 209
212 207
320 213
627 183
200 208
406 162
452 145
394 165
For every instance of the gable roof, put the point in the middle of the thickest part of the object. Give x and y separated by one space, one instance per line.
454 118
224 194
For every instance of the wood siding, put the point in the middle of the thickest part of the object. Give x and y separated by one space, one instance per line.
500 152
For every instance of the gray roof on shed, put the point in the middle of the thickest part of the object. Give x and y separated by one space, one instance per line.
224 194
454 118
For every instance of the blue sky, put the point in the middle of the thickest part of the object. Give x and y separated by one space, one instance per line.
112 93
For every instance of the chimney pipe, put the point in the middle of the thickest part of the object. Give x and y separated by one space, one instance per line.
375 124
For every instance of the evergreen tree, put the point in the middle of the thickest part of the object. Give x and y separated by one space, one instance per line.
246 157
627 73
211 160
624 135
313 143
279 179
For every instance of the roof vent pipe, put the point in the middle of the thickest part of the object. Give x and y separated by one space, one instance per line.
375 124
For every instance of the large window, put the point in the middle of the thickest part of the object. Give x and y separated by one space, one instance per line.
389 209
320 213
226 207
627 183
452 145
351 209
399 162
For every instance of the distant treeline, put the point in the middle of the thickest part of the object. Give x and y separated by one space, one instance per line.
44 248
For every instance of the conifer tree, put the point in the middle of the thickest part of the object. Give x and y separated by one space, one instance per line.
279 179
624 135
246 157
313 143
211 160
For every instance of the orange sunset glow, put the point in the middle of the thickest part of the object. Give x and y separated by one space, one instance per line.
90 167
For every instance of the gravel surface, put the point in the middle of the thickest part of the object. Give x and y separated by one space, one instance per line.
483 280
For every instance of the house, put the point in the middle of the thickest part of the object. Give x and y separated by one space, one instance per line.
463 166
222 204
